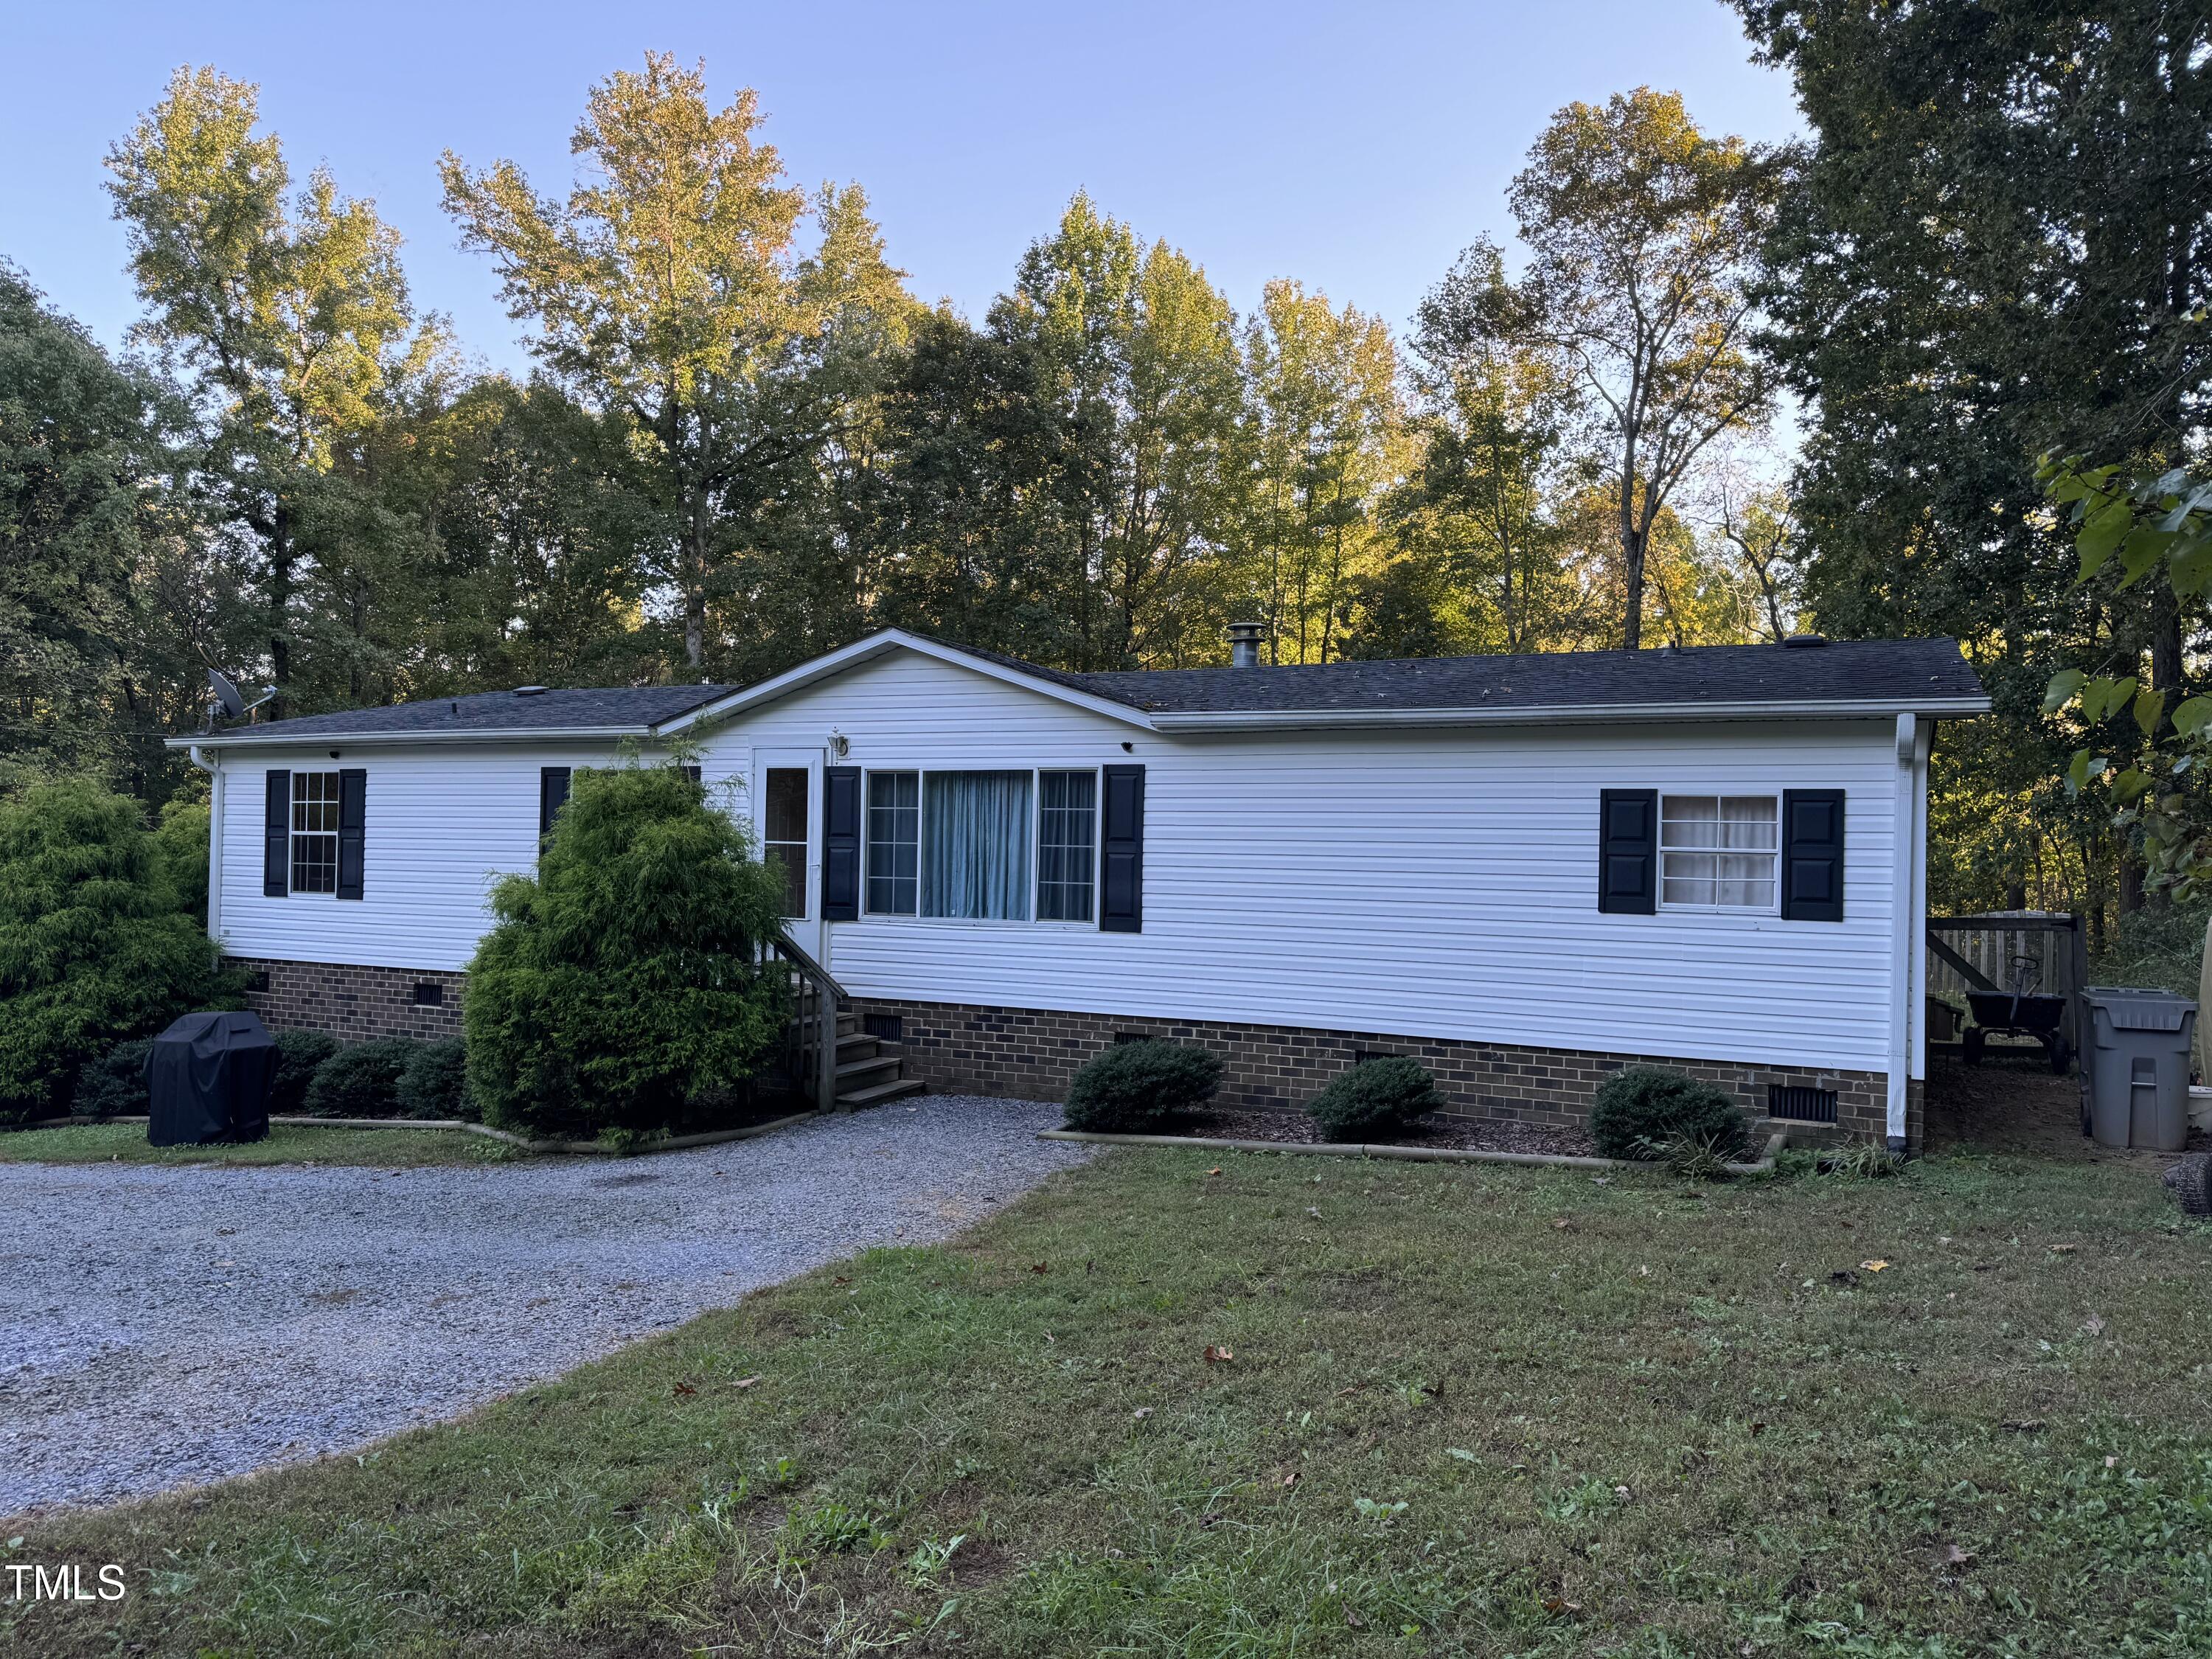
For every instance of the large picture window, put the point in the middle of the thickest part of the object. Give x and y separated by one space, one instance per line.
975 845
894 842
1067 861
1718 852
997 846
314 832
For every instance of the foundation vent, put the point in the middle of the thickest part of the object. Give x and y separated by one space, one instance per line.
429 993
1801 1104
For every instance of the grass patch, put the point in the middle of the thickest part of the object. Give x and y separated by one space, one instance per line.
125 1143
1448 1410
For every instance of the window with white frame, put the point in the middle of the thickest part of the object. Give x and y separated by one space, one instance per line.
1067 845
1718 852
894 851
314 832
996 845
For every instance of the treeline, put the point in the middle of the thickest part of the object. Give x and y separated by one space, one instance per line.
745 440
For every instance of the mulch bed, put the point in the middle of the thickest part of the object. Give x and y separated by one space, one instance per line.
1460 1133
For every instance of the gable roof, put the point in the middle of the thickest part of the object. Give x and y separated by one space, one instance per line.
623 711
1843 678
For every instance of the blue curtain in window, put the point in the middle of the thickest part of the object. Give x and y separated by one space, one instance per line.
975 845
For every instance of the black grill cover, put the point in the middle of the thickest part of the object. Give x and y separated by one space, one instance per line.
208 1076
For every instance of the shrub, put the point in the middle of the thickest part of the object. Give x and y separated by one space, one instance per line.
114 1085
93 945
1378 1100
300 1055
1643 1107
180 841
435 1082
1694 1154
361 1080
621 987
1136 1086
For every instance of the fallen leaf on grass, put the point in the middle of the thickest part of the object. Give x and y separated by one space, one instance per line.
1290 1479
1215 1170
1757 1429
1041 1267
1219 1354
746 1381
1557 1606
1142 1412
1353 1620
1562 1224
2111 1462
2094 1325
1953 1556
1874 1265
682 1388
2064 1249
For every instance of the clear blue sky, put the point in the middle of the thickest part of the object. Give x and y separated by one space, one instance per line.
1356 146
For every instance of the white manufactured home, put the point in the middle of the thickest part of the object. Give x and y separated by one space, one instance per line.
1525 871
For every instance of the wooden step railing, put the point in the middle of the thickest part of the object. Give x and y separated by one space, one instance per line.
810 1039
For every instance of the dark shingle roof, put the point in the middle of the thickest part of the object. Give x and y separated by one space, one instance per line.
1904 673
626 707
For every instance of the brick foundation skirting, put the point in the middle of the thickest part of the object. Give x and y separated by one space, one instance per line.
1031 1054
352 1002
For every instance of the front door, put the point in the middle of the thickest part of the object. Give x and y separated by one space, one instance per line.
787 791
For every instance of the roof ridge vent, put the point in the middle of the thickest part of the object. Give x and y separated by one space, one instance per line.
1804 642
529 690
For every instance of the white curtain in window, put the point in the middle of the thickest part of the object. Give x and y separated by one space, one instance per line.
1718 850
975 845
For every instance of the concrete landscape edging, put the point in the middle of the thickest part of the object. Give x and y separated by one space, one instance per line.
1408 1154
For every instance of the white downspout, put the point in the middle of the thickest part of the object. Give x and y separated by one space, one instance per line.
1903 909
211 763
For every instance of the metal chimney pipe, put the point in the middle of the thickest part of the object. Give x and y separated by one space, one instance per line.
1244 644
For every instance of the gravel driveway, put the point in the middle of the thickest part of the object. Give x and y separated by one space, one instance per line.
160 1327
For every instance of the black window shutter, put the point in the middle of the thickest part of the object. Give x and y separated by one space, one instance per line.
353 843
1122 847
841 844
277 838
1628 851
552 796
1812 854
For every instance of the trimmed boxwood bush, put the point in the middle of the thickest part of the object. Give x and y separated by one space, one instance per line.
1641 1108
435 1082
1377 1100
300 1055
114 1085
361 1080
621 986
1136 1087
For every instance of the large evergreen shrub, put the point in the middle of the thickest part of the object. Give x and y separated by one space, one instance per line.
1640 1109
1378 1100
620 987
94 946
1137 1087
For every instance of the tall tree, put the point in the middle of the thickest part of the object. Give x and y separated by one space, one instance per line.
669 287
1137 352
98 591
1328 437
1996 244
288 313
1642 234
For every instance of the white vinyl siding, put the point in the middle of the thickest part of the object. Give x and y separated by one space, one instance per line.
1435 882
1429 883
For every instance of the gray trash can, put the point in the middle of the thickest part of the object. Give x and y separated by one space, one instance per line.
2138 1065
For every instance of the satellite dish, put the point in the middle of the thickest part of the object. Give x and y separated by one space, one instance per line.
227 699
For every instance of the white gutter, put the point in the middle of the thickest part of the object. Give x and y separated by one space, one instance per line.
213 768
1300 719
244 737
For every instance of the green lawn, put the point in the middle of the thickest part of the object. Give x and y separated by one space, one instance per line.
1470 1410
125 1143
